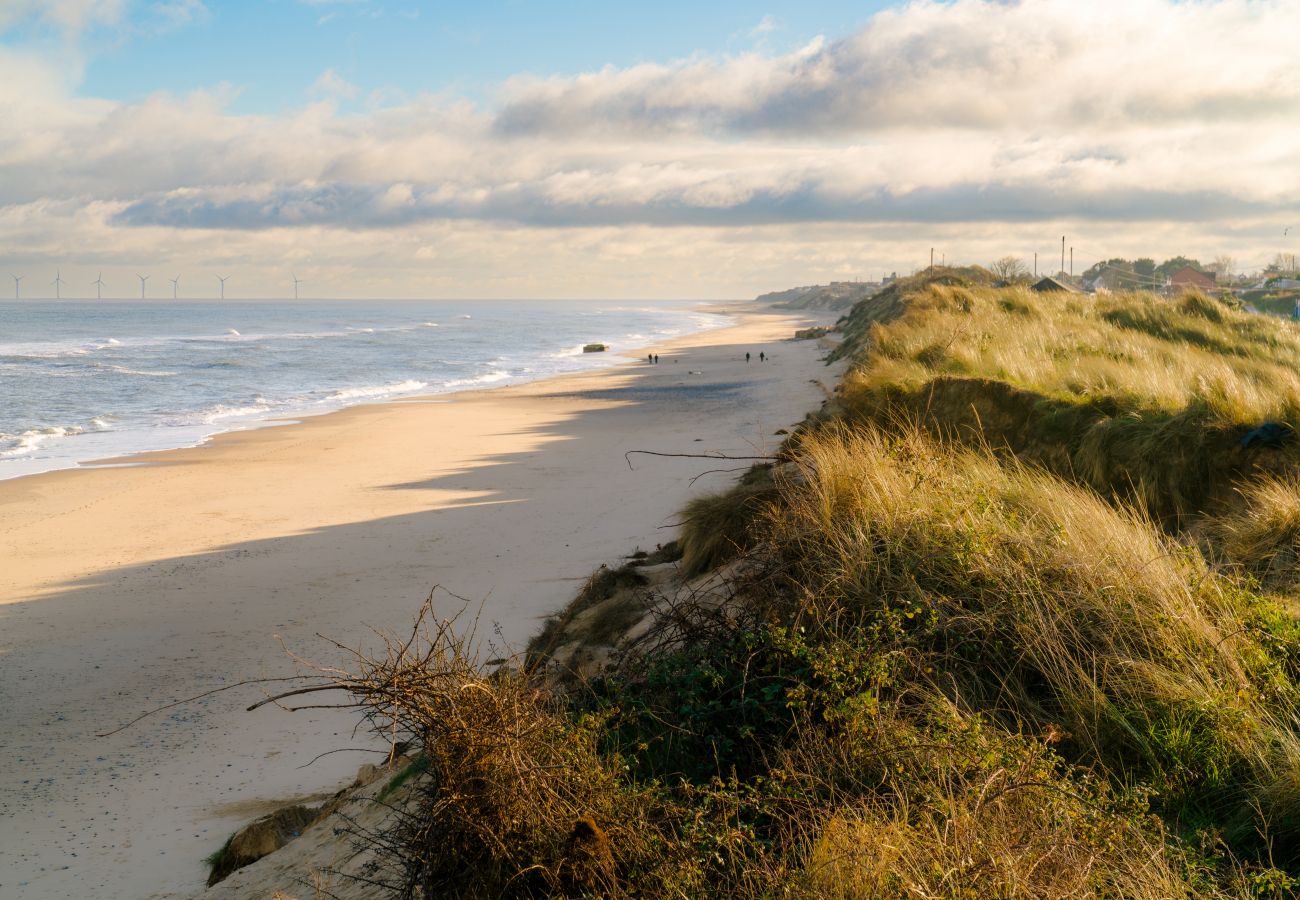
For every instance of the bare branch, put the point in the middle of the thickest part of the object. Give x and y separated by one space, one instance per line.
701 456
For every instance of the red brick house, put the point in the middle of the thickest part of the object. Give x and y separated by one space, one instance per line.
1187 277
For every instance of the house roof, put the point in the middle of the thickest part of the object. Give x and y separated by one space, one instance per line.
1189 275
1050 284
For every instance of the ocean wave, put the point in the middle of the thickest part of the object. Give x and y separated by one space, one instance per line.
382 390
233 336
124 370
487 378
390 329
176 381
222 411
30 441
35 352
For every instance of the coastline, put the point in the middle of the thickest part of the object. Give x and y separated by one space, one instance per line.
105 433
186 567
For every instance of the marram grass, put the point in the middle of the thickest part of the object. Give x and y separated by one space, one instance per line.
1016 621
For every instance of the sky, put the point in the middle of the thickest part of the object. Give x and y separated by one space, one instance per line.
511 148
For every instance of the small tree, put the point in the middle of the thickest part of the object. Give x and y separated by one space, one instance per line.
1223 266
1010 269
1170 266
1117 263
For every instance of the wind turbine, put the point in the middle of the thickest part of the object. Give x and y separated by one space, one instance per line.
143 279
296 282
18 280
175 285
222 279
58 284
99 286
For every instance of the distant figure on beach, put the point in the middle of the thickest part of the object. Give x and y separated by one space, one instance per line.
762 357
656 359
747 356
650 358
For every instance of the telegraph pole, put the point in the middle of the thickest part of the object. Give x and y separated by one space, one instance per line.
931 257
1071 262
1062 253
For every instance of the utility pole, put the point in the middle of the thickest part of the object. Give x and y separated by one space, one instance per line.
1071 262
931 257
1062 253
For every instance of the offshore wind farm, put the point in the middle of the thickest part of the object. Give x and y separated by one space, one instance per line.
292 288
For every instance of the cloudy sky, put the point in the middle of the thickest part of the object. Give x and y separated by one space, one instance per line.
520 148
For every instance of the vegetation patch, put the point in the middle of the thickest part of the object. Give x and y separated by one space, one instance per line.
719 527
1014 618
604 584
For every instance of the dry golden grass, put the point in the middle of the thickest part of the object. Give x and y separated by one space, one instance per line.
1147 353
1262 533
1136 396
1002 835
1036 603
507 775
717 528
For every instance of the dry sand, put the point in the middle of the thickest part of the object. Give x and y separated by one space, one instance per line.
125 587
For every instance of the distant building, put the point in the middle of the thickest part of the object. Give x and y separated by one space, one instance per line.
1113 279
1187 277
1050 285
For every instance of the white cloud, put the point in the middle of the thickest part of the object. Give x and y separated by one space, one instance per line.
959 122
68 15
179 13
1040 64
331 84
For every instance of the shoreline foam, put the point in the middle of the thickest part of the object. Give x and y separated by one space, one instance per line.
55 446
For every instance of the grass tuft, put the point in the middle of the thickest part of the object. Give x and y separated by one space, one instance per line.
719 527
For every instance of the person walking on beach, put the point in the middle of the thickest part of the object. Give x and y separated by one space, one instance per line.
656 359
746 356
762 357
650 358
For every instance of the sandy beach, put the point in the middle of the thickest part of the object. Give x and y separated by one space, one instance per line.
128 586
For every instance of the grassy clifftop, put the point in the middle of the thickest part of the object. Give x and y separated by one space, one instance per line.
836 295
1129 394
1014 616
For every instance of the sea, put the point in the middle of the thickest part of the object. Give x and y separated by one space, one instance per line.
94 380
